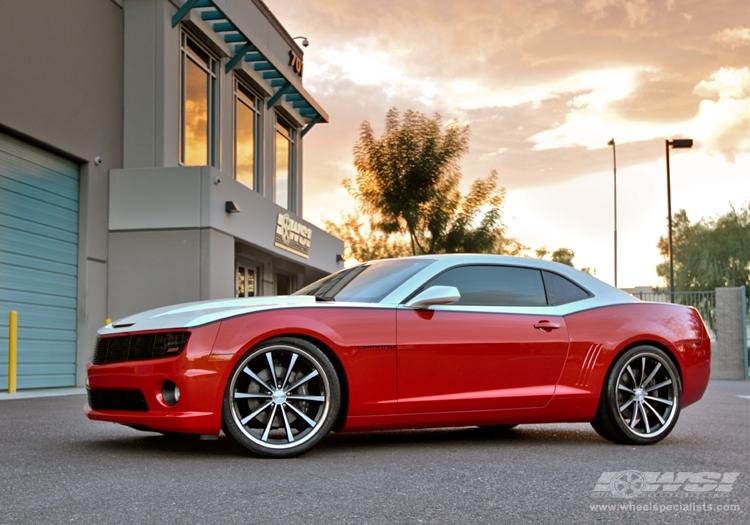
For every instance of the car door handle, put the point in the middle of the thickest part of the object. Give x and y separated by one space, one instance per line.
546 326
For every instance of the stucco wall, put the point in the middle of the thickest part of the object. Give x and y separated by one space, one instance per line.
62 89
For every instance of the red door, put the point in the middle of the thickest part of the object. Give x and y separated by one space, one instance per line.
452 358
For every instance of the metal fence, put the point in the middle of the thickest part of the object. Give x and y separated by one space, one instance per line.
704 302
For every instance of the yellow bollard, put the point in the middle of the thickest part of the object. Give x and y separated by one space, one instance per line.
12 351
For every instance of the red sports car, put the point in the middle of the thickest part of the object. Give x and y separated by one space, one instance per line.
416 342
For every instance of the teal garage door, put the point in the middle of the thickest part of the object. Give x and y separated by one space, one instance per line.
38 263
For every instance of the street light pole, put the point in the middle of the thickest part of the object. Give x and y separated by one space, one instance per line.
676 143
614 164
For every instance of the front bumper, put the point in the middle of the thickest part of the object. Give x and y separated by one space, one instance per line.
131 392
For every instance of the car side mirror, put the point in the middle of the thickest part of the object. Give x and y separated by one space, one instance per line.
434 295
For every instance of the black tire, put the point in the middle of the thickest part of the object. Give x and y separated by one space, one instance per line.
640 400
281 398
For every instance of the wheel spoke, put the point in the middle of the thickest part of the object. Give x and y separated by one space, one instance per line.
632 375
302 415
627 404
257 379
270 423
656 387
645 417
626 389
660 400
320 399
652 374
289 370
303 380
658 416
247 395
634 418
246 419
289 435
643 370
272 370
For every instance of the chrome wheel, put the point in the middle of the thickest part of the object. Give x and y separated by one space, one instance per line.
646 395
282 398
640 400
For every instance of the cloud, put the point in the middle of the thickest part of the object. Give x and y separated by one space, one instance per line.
737 37
542 83
638 12
723 120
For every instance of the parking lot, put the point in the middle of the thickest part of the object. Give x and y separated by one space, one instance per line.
58 467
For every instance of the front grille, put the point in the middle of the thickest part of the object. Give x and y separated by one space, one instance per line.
132 400
138 347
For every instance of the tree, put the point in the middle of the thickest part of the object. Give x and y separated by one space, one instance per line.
710 253
561 255
367 245
407 184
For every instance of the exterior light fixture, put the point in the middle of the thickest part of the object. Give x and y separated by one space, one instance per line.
305 41
676 143
231 207
339 258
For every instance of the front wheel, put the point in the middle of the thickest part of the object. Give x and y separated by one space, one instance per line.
640 401
282 398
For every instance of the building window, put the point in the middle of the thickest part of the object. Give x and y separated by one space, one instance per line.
246 135
283 187
248 280
197 104
285 284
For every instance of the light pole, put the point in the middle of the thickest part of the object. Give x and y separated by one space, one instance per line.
676 143
614 164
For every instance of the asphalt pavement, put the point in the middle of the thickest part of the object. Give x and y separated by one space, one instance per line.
56 466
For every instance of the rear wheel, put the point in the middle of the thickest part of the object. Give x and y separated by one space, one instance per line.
640 401
282 398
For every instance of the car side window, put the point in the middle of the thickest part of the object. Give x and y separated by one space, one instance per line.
485 285
561 290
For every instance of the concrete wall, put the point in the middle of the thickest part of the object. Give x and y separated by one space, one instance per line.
62 89
728 361
172 241
152 82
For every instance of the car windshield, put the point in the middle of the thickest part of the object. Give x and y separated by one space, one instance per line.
366 283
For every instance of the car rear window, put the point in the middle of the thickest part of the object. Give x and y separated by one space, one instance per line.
561 290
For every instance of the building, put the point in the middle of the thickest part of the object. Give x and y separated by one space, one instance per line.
150 154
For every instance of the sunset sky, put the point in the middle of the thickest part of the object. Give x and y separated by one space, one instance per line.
544 85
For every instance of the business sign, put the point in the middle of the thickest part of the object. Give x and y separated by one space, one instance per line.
292 236
296 62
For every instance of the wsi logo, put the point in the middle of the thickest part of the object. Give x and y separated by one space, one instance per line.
631 483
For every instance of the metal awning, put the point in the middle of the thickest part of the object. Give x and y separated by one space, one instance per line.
257 56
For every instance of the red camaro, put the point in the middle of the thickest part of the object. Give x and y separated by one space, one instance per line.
431 341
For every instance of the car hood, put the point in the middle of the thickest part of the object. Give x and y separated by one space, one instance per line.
189 315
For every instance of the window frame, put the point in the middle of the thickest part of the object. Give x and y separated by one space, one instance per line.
291 136
212 69
242 93
248 266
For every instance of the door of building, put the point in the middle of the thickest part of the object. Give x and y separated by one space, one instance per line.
38 263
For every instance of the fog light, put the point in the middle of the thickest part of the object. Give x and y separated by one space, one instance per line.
170 392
